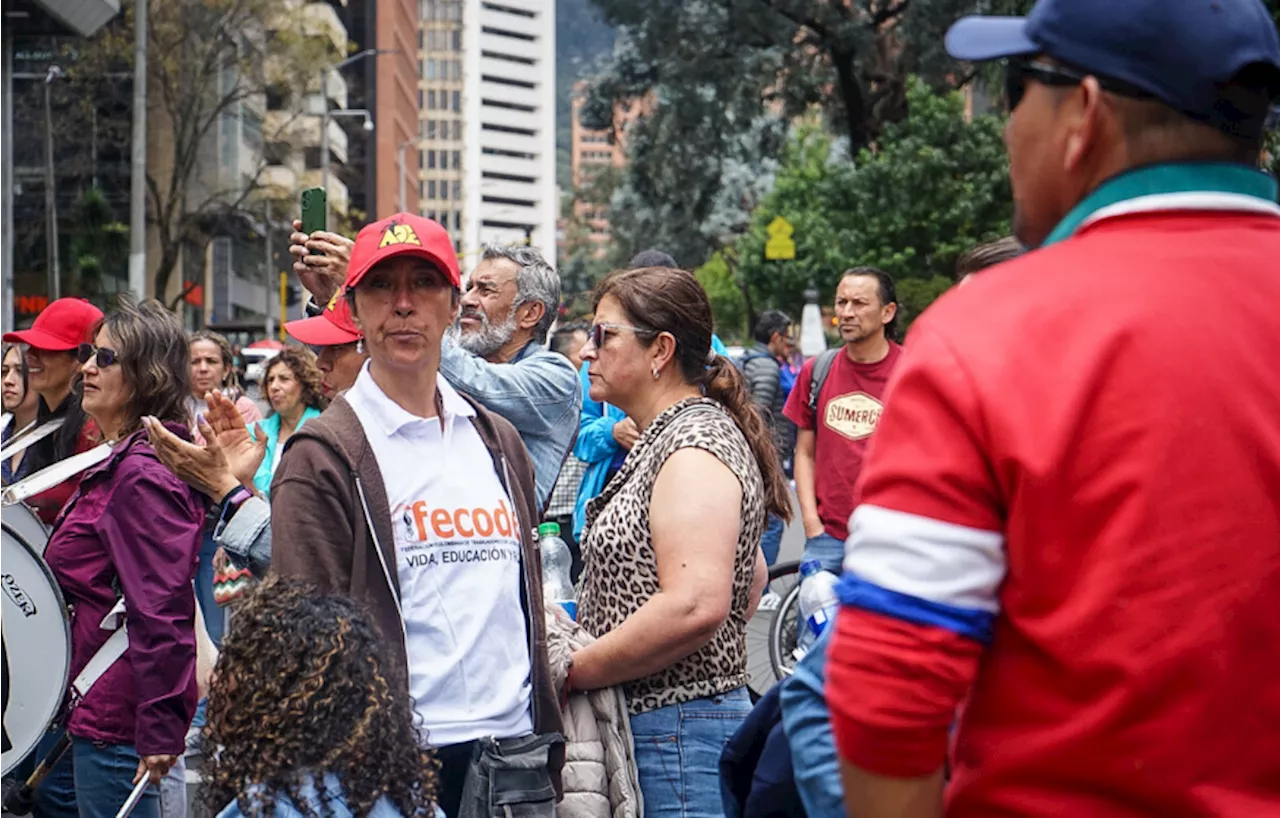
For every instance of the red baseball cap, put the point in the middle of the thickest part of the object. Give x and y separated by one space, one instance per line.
403 234
62 326
330 328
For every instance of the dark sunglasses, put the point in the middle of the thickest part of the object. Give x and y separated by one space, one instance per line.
1018 72
104 357
599 332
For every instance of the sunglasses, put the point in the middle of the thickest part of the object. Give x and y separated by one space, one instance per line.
1018 72
103 357
599 332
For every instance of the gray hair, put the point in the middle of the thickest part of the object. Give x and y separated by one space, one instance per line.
536 280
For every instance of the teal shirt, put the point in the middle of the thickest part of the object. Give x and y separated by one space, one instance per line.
1164 180
271 428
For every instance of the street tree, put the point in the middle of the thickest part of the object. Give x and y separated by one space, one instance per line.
214 67
935 185
99 246
713 69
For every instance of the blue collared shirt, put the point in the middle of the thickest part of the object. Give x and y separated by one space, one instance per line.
537 392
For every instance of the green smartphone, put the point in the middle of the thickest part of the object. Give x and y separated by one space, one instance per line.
313 212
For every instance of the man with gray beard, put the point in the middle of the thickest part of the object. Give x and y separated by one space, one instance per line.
496 354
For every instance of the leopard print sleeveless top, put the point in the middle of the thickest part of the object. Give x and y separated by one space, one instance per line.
621 571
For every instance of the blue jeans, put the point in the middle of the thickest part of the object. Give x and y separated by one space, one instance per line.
771 542
213 617
678 751
807 722
93 780
827 550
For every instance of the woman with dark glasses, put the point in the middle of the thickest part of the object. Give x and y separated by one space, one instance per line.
130 534
672 546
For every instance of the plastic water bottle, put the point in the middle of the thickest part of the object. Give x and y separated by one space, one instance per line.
557 587
818 602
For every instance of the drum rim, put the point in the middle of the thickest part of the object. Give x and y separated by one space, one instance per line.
33 514
66 628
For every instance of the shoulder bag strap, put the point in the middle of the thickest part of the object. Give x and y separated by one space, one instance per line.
821 368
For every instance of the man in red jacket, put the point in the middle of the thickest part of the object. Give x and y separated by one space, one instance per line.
1069 521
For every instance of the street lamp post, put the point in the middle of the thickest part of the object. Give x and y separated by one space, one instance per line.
138 159
50 192
269 322
400 163
325 115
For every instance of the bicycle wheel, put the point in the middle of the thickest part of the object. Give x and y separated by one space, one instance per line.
784 632
763 671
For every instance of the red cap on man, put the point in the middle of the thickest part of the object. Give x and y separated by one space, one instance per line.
62 326
330 328
403 234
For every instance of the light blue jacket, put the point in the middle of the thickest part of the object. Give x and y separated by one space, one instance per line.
536 392
271 428
246 537
595 445
285 808
807 722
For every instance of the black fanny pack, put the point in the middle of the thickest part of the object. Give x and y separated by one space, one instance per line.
511 778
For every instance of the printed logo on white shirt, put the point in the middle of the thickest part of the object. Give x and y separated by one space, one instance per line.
443 536
458 556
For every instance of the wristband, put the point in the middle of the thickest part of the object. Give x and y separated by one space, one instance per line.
237 495
231 503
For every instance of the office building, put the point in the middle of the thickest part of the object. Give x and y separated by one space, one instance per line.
487 100
28 26
592 151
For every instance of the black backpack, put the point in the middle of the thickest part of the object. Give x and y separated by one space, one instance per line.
821 368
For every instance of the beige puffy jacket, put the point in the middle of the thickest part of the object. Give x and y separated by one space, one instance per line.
600 779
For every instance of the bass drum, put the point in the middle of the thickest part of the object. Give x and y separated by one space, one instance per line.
35 638
26 526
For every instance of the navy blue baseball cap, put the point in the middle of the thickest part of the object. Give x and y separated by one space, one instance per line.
1179 51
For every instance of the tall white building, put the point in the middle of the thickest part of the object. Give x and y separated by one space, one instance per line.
500 127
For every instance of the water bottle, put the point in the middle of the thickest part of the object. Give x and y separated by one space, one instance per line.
557 587
818 602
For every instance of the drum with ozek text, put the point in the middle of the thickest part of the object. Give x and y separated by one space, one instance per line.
35 638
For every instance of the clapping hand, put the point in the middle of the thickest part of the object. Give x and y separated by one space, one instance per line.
229 457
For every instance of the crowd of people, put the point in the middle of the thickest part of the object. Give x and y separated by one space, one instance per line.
1054 510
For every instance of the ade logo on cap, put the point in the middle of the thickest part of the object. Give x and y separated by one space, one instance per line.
397 233
333 302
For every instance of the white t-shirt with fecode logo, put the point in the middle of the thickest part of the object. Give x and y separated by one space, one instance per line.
457 544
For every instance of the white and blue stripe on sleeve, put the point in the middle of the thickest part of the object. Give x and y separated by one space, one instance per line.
923 571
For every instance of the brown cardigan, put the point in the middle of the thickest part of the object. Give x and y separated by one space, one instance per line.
329 488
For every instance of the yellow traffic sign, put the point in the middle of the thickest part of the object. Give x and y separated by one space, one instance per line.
779 247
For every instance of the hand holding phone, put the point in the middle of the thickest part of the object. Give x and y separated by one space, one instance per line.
314 218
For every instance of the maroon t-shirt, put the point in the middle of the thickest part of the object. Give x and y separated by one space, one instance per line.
849 407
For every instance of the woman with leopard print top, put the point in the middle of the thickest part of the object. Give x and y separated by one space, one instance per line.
672 545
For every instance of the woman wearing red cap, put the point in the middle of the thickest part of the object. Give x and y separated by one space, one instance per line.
52 369
421 504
